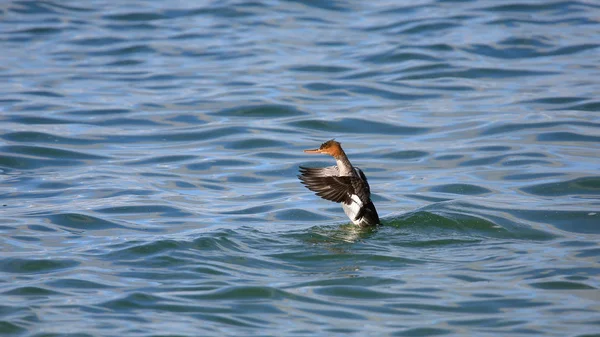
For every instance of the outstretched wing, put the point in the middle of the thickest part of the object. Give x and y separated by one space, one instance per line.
320 171
327 186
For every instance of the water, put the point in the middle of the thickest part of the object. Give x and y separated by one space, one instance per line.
149 153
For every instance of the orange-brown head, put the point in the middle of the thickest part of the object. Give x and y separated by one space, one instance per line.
330 147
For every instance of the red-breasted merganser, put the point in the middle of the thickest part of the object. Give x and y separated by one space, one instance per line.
342 183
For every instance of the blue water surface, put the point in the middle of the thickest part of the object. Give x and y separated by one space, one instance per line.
149 153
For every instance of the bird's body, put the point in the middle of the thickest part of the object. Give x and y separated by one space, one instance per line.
343 183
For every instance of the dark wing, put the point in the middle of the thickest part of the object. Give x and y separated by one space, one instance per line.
361 186
363 191
363 177
333 188
369 214
321 171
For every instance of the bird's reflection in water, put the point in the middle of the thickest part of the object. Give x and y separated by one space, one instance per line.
346 233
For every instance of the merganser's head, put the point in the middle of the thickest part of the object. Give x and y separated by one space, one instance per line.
330 147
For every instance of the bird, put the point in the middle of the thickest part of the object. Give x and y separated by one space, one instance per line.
343 184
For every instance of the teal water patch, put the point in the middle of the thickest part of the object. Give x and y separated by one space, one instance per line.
82 222
561 285
149 158
34 266
31 292
464 189
407 154
25 163
567 137
48 152
572 221
254 143
43 138
581 186
351 125
261 111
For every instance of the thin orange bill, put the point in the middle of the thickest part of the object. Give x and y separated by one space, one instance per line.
313 151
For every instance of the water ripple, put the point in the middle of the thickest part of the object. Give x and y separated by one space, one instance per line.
149 154
354 125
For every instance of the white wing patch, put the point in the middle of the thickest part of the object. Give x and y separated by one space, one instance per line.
356 200
353 209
